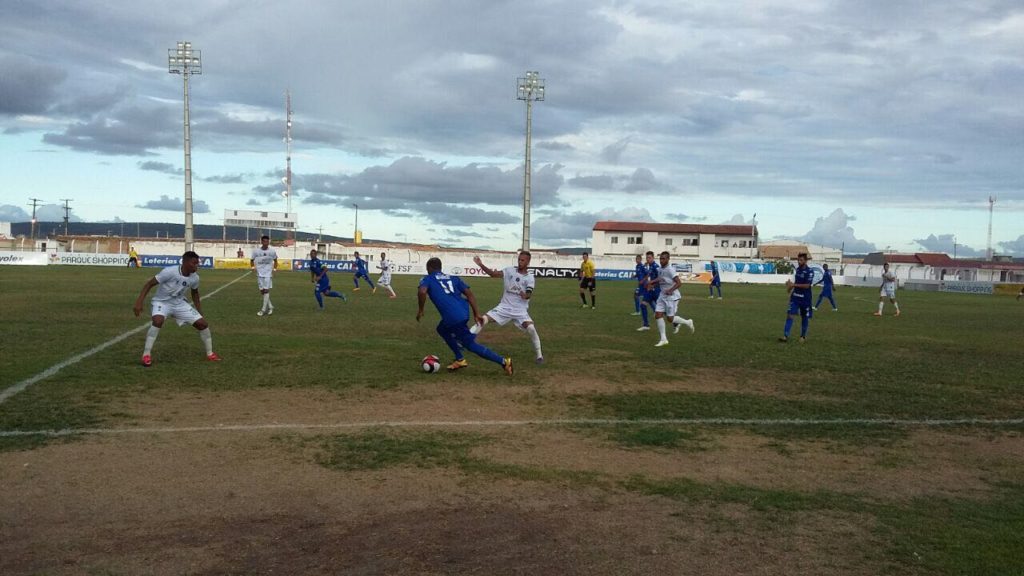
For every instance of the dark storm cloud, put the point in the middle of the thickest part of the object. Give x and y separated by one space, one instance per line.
642 180
162 167
28 86
132 131
945 243
603 182
9 213
576 226
449 215
168 204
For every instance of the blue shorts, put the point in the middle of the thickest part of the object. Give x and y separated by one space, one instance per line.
800 307
323 284
716 281
652 296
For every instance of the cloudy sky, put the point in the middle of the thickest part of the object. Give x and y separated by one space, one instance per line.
876 124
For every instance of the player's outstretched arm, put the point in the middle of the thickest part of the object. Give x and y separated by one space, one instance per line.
137 308
488 271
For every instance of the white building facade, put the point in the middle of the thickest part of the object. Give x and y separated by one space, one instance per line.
690 241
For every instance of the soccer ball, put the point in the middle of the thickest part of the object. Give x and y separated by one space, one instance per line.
431 364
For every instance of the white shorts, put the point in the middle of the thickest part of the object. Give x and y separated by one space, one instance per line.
384 280
667 305
502 316
888 293
182 312
265 282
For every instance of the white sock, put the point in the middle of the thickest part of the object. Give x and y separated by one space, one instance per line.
535 338
661 328
266 301
390 289
897 305
150 339
880 305
678 320
207 339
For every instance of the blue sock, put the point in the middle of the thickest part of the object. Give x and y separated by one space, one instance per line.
636 302
356 281
319 298
334 294
484 352
643 314
803 326
789 326
370 282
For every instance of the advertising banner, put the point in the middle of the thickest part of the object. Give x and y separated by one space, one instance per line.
24 258
165 260
966 287
74 259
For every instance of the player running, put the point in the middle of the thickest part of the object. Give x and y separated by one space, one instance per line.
385 275
454 301
800 294
170 301
888 290
264 261
515 300
650 288
668 302
318 275
826 288
360 266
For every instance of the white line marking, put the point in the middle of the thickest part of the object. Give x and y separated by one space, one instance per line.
20 386
520 423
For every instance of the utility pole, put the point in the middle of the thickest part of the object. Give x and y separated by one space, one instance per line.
67 212
35 202
991 205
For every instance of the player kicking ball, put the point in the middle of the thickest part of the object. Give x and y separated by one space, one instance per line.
515 300
454 301
170 301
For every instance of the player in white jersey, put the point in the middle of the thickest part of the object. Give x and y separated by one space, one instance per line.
264 261
515 300
668 302
888 290
385 275
173 281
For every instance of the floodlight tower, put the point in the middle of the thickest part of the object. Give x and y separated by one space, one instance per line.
186 61
530 88
288 165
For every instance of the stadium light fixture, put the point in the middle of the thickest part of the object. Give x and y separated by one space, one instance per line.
186 61
529 88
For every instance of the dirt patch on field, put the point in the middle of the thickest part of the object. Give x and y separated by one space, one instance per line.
241 504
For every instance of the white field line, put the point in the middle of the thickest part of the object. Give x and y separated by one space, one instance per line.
853 422
20 386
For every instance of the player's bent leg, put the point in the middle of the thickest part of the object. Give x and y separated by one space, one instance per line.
448 336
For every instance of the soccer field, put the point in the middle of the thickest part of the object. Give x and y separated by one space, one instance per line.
318 446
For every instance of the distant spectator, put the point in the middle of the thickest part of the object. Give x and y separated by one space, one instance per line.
133 258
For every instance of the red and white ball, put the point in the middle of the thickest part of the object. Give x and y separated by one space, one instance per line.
431 364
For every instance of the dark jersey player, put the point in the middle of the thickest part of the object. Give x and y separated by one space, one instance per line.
322 283
799 298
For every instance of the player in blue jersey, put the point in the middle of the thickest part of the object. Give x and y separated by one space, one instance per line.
454 301
318 274
800 294
641 279
651 290
361 272
826 288
716 281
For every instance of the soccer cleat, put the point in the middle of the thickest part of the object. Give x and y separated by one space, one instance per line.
260 313
634 314
897 313
877 314
711 297
783 338
689 324
540 359
661 343
676 326
835 309
356 289
374 291
212 357
460 363
643 329
343 298
719 297
507 365
270 311
803 339
593 307
393 296
584 306
815 308
147 360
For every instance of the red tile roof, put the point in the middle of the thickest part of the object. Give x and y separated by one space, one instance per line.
732 229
